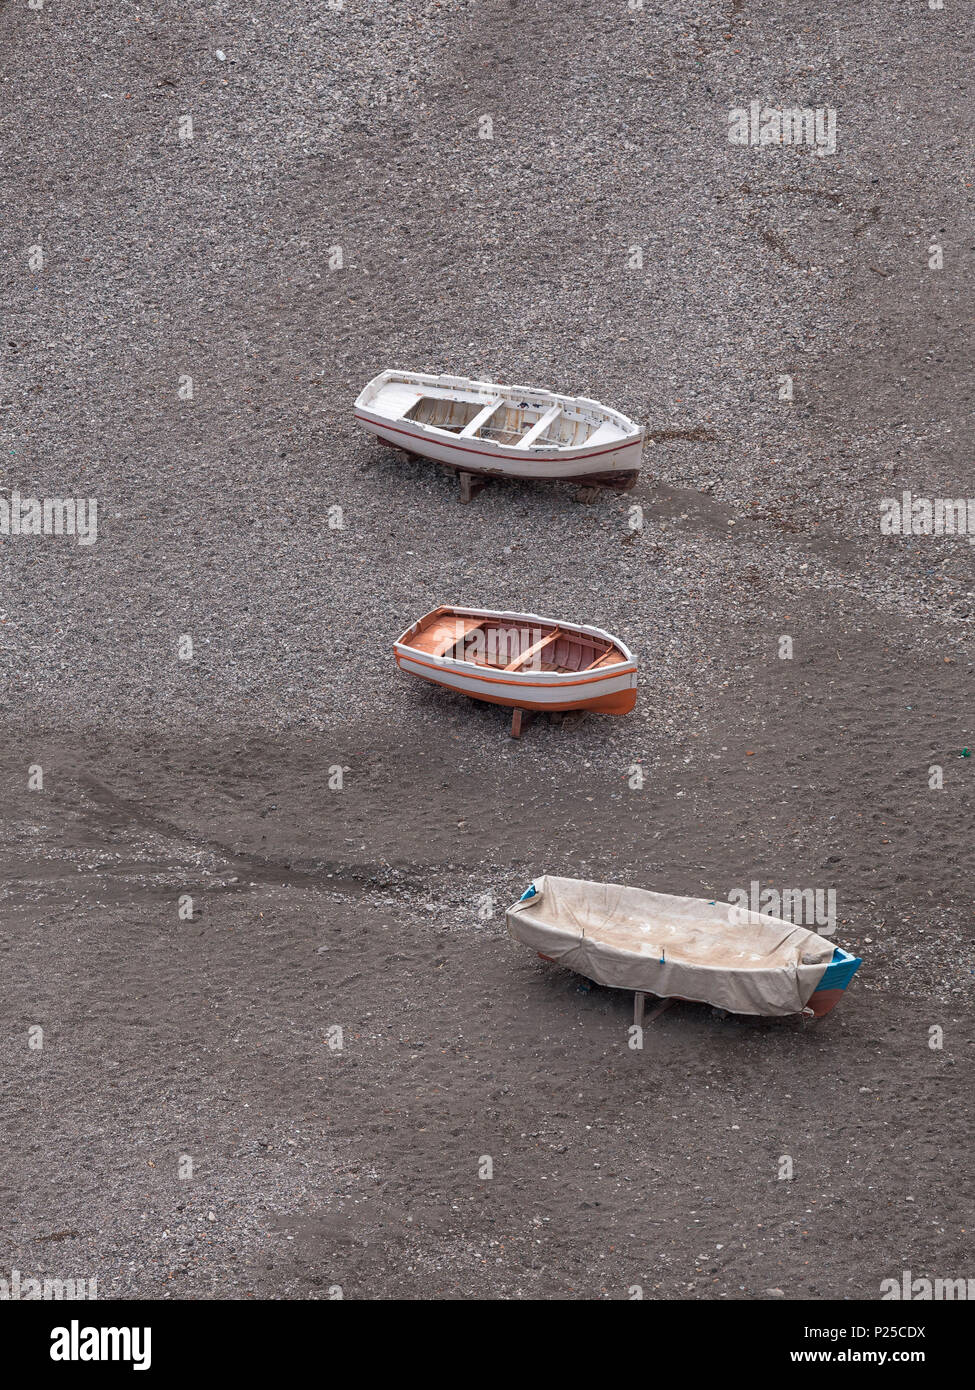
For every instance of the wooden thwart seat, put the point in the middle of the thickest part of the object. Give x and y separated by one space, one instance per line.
536 647
606 659
540 426
480 419
443 634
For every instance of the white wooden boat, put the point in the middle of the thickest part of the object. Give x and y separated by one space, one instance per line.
483 429
520 660
681 948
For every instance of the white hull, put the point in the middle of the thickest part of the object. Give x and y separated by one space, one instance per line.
523 691
474 417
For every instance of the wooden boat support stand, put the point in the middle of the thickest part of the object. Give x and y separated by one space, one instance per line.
639 1002
470 485
473 483
521 718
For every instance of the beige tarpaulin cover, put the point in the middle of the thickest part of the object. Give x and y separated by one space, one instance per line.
685 948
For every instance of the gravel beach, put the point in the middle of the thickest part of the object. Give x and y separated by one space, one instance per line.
218 225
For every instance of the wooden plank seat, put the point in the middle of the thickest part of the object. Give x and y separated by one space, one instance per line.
533 650
480 419
607 659
444 634
540 426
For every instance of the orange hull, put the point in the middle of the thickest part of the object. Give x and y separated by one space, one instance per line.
822 1000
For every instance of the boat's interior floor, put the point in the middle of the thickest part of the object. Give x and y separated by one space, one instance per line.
500 646
503 421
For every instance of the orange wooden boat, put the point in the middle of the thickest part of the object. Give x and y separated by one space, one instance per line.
520 660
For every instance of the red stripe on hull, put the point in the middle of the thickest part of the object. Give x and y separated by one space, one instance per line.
486 454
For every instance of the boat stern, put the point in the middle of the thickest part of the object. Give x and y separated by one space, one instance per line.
832 986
